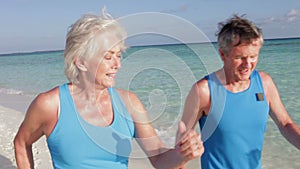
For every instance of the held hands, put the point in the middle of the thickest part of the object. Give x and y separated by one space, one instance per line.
188 143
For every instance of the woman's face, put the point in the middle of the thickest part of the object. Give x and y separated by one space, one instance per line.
104 65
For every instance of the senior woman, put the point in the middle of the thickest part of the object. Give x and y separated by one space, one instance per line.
89 123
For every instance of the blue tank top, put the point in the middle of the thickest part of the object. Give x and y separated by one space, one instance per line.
233 131
76 144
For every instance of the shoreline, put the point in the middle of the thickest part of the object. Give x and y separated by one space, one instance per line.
17 102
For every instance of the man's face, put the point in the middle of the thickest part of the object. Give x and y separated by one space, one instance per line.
240 62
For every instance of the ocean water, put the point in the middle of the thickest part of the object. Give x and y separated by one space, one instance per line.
162 76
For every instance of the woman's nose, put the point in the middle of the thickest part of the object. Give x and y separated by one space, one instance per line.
116 63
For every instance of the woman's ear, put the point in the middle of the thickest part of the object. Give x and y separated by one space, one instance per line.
80 64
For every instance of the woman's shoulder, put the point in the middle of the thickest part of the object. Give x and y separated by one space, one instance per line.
43 110
47 101
49 96
126 94
131 100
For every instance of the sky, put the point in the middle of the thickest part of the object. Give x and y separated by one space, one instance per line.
39 25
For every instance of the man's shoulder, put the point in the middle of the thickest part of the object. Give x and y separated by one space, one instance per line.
268 83
201 87
265 77
202 82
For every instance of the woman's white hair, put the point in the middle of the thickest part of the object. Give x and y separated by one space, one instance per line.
81 42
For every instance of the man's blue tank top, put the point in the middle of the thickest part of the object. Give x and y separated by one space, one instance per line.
76 144
233 131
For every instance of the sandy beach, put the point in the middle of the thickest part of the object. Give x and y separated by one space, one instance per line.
12 111
9 122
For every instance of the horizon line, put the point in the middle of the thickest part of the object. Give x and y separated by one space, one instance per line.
165 44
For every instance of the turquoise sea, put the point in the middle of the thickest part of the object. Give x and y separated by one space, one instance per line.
162 75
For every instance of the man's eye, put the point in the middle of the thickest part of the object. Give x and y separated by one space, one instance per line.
238 57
